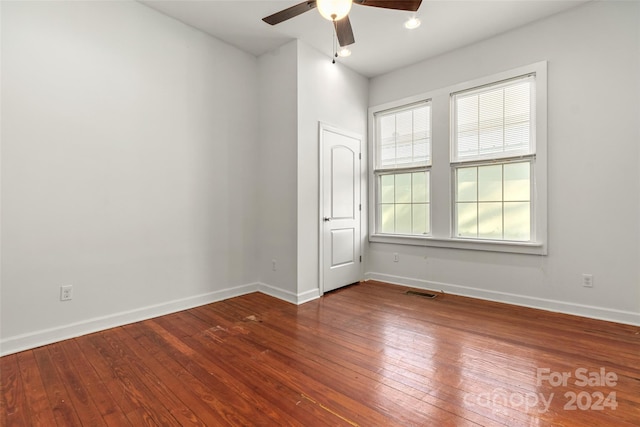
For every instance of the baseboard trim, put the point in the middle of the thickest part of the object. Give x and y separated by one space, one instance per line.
28 341
32 340
308 296
289 296
612 315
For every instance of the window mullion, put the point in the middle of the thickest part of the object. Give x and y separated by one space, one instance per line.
478 200
502 186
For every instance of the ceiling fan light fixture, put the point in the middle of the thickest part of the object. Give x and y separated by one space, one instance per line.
412 23
344 52
334 10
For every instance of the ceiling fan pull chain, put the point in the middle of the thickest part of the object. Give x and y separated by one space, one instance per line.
335 48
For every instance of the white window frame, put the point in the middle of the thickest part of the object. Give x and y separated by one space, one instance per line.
379 172
442 197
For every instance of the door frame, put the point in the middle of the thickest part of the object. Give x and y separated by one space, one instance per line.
321 128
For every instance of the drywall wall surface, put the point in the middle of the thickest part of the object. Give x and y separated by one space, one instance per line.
593 54
126 166
336 96
277 153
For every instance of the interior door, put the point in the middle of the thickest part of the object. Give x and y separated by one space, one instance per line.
340 208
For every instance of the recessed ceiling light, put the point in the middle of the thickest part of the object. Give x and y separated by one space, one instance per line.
412 23
344 52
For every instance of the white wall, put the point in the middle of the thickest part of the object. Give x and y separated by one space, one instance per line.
128 166
334 95
277 158
299 87
593 177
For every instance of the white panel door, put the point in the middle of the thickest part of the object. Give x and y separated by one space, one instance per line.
340 208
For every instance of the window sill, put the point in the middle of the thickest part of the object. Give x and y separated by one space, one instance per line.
467 244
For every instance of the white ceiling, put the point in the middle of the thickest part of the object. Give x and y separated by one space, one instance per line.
382 42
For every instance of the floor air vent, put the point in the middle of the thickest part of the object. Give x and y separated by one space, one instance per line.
421 294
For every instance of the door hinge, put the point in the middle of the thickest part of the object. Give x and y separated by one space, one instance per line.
360 258
360 156
359 207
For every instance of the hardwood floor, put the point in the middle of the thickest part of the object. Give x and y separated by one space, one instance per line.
365 355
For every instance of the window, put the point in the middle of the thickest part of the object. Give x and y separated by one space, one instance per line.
402 163
463 166
492 150
494 201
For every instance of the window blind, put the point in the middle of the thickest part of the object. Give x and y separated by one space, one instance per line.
495 121
404 137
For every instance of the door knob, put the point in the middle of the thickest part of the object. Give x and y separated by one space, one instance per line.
327 219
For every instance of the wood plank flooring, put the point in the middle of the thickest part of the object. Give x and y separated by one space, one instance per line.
364 355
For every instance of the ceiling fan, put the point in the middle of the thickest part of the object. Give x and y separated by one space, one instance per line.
337 11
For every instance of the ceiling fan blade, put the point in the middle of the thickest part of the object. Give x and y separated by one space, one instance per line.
344 31
290 12
410 5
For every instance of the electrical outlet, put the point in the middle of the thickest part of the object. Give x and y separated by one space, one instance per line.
396 257
66 293
273 265
587 280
